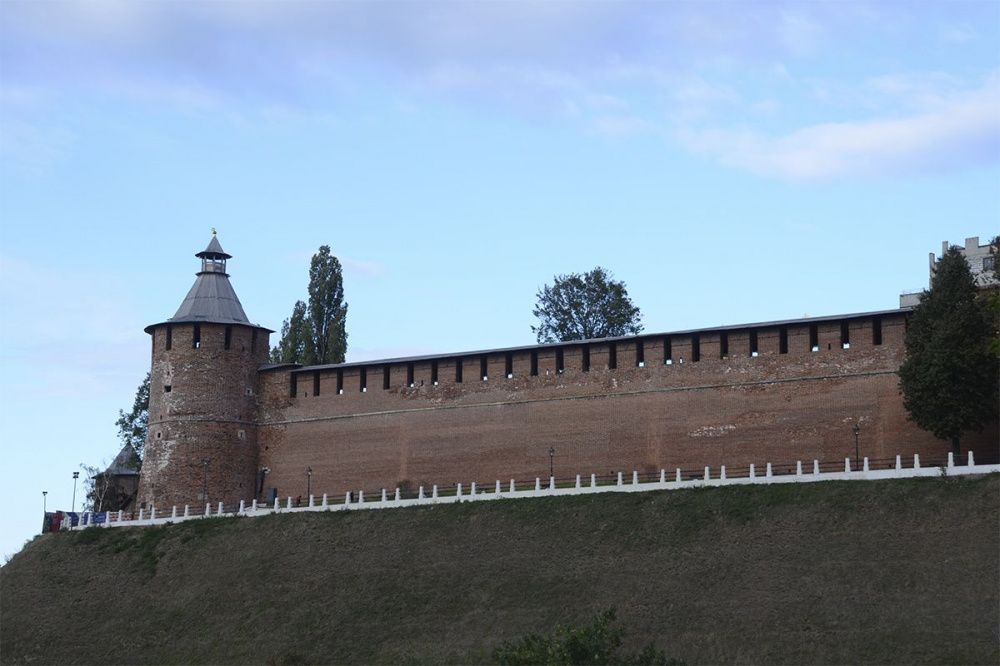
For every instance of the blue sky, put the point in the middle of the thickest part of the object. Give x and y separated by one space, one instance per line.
731 162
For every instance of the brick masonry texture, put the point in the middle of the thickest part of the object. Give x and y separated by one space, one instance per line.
734 409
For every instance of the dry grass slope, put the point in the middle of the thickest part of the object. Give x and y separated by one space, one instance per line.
878 572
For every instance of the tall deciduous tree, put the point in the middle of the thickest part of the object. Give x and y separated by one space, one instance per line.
317 332
949 377
583 307
132 426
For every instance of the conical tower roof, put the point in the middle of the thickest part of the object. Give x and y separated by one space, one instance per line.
211 298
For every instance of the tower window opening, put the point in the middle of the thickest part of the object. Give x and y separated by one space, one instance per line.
876 330
813 337
534 363
458 371
316 383
385 378
723 344
363 380
167 388
783 340
340 381
695 348
753 343
640 354
585 358
196 337
229 338
508 365
434 373
409 375
668 351
484 367
293 389
613 356
170 337
845 335
560 364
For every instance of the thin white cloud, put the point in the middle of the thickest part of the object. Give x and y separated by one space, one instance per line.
958 133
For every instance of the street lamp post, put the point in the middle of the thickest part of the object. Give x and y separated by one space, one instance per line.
204 487
857 450
76 475
552 457
45 507
309 478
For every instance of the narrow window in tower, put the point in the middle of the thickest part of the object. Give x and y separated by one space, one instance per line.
196 338
845 335
293 389
876 330
167 388
585 358
508 365
813 337
170 337
340 381
316 383
363 379
484 368
253 340
229 338
385 378
695 348
409 375
560 366
753 343
668 351
640 354
723 344
783 340
434 373
613 356
534 363
458 371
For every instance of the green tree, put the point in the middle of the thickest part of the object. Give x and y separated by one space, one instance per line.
327 310
949 378
316 332
295 336
584 307
596 643
132 426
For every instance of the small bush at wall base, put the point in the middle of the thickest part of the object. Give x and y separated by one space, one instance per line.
597 643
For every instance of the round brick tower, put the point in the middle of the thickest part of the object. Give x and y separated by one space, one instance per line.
202 441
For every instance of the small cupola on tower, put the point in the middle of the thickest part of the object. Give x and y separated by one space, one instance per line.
213 258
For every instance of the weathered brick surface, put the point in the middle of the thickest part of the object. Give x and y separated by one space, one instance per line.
733 410
209 413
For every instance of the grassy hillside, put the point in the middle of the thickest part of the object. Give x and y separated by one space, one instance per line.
876 572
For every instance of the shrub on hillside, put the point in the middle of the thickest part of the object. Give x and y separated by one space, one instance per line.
596 643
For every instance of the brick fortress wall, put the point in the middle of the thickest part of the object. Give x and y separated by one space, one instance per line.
604 407
202 406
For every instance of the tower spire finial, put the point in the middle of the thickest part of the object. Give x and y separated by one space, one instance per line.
213 231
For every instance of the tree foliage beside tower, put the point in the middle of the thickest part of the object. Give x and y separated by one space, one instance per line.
585 306
316 333
133 426
949 378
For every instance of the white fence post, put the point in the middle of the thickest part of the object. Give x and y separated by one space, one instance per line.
951 459
498 487
798 468
753 471
361 497
678 477
472 489
899 462
538 484
385 496
347 497
187 511
152 512
208 508
221 505
434 491
253 507
593 480
173 511
552 483
398 495
242 506
141 512
420 492
865 463
458 490
120 513
635 478
768 472
916 461
577 480
722 473
324 499
619 478
847 464
311 502
815 467
513 486
708 474
288 502
971 464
